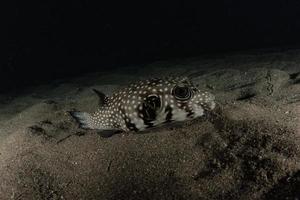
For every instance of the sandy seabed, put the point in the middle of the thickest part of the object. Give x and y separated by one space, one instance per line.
248 148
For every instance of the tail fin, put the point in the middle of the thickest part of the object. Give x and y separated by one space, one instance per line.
84 119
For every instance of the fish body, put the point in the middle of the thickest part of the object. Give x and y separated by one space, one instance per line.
148 103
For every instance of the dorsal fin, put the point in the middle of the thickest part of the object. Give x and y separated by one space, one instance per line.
102 97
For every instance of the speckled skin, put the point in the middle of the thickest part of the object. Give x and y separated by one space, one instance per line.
148 103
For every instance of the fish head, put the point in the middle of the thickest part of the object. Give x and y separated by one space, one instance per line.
191 99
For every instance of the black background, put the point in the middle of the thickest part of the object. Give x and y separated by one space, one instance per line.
51 39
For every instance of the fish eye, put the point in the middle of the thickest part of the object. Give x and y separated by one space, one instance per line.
182 93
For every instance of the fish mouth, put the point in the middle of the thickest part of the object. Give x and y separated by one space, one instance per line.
210 101
212 105
207 105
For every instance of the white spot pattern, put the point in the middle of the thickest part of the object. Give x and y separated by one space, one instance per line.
125 110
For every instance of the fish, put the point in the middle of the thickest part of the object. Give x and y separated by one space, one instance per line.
147 103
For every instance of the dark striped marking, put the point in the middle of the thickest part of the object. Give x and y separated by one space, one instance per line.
169 115
131 126
190 114
150 107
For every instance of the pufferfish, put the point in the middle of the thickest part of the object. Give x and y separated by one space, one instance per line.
148 103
